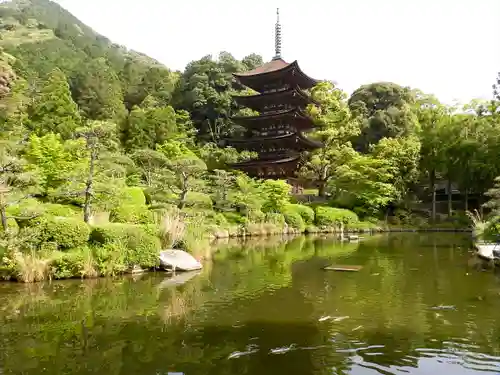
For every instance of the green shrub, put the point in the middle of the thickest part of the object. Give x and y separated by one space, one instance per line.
329 216
66 232
12 226
193 199
142 247
132 214
294 220
306 212
54 209
201 200
220 220
255 216
110 258
235 218
24 210
133 196
311 229
66 265
276 219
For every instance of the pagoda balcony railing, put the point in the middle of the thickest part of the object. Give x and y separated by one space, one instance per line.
273 131
280 154
276 88
276 108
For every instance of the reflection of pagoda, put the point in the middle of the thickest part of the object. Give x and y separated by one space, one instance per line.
276 134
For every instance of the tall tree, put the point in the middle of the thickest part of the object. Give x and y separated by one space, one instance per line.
98 92
53 110
336 127
147 127
385 110
433 118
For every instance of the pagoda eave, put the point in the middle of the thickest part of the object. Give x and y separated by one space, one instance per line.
260 101
272 169
273 71
295 116
297 140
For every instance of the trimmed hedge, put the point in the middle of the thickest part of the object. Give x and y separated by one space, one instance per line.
131 214
66 232
142 246
307 213
329 216
133 196
235 218
276 219
294 220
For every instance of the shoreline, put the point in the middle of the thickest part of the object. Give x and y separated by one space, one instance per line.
223 234
240 234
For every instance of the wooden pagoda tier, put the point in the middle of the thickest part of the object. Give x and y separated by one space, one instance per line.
276 134
276 101
295 141
294 119
274 75
281 168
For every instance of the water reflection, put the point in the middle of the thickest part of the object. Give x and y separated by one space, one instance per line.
265 307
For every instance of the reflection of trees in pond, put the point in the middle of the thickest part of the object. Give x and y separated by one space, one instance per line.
397 292
257 293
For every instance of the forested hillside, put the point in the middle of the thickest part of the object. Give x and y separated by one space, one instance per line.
89 128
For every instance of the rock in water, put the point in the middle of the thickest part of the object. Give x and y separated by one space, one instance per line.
178 260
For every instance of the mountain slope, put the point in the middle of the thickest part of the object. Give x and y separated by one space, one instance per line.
42 36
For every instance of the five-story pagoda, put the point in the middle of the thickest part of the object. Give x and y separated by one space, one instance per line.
277 132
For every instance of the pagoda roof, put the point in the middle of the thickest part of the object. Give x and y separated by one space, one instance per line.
259 101
276 68
296 115
259 162
289 137
283 166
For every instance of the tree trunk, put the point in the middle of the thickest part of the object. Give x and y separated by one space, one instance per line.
88 187
433 190
466 200
322 189
3 215
182 199
450 197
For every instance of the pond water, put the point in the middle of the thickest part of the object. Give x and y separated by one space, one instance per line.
266 307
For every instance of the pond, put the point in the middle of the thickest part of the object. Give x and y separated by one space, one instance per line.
266 307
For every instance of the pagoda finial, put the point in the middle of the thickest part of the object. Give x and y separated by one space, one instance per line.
277 36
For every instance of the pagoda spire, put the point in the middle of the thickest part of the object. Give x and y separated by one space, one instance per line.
277 36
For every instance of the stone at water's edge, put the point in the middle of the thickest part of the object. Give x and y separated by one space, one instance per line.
179 260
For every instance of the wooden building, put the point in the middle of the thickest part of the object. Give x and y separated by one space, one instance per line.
277 133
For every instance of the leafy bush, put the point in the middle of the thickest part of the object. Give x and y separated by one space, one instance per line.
329 216
12 226
255 216
141 246
276 194
198 200
133 196
220 220
276 219
54 209
66 232
65 265
235 218
306 212
110 258
294 220
131 213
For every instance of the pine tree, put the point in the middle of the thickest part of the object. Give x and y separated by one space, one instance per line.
98 92
53 110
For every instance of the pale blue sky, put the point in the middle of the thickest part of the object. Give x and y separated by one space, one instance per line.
447 47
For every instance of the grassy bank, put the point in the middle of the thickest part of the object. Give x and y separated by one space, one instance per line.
51 241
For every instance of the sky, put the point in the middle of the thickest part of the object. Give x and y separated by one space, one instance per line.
449 48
